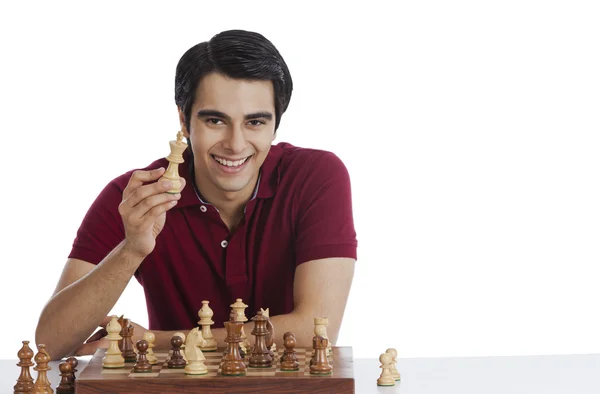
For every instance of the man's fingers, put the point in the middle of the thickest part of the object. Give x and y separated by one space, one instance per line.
101 333
90 348
139 177
151 215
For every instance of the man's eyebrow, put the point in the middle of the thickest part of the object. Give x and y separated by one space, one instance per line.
204 113
264 114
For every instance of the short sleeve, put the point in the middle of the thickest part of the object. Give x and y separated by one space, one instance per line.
325 222
102 228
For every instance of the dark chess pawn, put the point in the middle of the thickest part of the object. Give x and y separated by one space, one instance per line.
25 381
142 365
176 360
65 386
73 362
289 360
320 364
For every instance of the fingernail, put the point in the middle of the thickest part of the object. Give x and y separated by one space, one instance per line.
167 184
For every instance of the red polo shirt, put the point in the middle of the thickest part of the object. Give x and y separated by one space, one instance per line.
301 211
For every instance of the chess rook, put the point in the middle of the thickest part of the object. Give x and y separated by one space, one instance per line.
320 364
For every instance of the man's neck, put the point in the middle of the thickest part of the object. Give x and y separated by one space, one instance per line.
230 205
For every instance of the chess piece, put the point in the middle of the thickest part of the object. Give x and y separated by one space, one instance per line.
42 384
142 365
182 349
206 313
175 158
238 307
113 357
127 344
193 351
260 357
176 360
232 363
386 378
321 324
73 363
320 365
269 338
150 356
285 335
65 386
392 352
289 360
24 381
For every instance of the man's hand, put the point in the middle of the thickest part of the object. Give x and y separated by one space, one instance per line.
98 340
143 209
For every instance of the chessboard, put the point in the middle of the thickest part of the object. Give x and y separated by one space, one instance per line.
96 379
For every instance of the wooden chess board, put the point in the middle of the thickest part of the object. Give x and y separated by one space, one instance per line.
96 379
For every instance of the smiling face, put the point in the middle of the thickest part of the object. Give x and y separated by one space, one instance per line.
232 126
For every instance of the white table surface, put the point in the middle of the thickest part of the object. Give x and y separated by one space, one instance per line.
564 374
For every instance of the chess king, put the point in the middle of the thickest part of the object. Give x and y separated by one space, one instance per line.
227 214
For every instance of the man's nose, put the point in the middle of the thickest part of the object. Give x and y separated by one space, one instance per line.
235 140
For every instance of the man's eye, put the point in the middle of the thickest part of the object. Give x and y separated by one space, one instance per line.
256 122
213 120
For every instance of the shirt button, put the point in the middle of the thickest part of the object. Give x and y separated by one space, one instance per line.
224 244
203 208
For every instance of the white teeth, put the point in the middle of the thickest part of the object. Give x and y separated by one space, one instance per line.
230 163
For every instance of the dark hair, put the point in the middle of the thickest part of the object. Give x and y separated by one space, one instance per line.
236 54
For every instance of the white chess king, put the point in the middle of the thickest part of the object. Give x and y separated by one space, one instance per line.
175 158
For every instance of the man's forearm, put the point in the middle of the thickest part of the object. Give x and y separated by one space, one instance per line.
75 312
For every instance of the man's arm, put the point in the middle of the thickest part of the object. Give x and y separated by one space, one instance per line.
83 297
86 293
321 289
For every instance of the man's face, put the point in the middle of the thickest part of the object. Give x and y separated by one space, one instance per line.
232 126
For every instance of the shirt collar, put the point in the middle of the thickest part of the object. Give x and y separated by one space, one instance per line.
268 178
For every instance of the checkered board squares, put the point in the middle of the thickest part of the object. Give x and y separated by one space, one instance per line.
213 361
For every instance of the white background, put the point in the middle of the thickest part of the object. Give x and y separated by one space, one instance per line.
470 130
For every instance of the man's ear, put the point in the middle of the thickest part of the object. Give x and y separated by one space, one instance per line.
184 129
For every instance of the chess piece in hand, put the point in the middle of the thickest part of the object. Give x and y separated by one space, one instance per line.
143 209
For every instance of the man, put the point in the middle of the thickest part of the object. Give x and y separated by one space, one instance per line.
271 224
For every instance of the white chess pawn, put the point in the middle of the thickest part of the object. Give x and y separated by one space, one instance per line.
182 348
150 356
386 378
392 352
206 314
113 357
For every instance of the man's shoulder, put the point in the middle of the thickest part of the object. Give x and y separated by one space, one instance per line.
295 158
